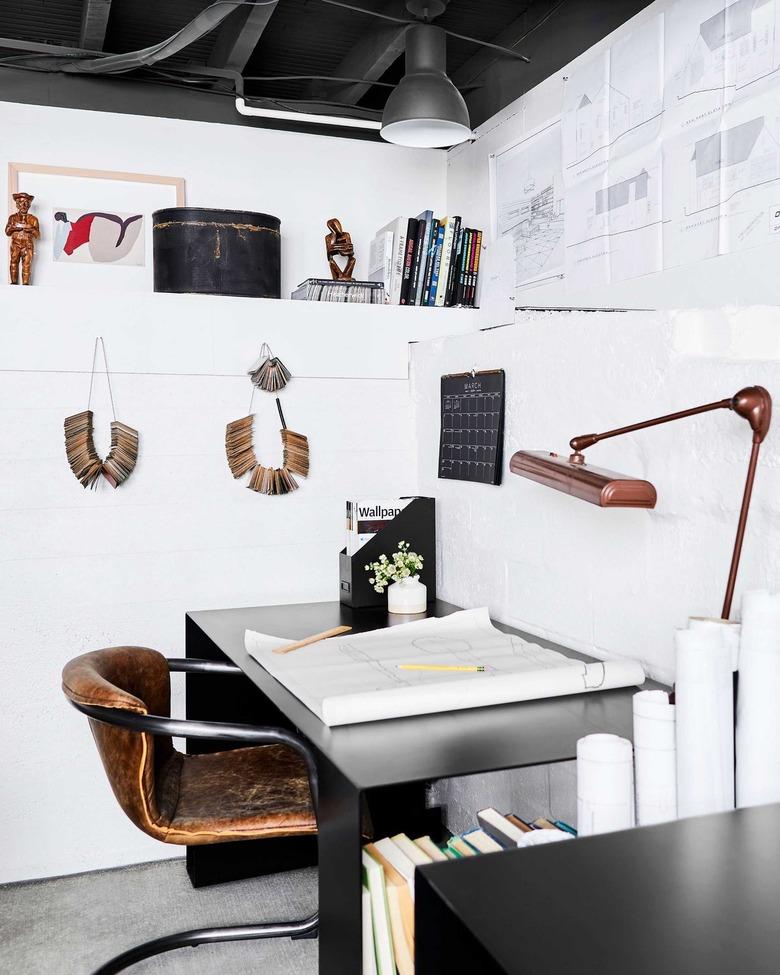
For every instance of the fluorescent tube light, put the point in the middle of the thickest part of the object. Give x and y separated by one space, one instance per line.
354 123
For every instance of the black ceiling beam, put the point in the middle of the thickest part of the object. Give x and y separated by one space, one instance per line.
135 97
238 37
378 48
467 73
571 30
94 21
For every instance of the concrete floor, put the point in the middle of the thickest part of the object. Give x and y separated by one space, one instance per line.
71 925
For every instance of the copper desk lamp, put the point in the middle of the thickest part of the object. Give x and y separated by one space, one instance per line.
610 490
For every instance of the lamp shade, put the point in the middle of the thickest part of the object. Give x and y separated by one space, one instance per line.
425 110
595 484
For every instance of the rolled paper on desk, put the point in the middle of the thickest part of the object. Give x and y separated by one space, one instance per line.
704 697
655 758
605 784
758 701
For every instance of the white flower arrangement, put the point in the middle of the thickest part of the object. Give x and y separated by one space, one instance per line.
403 565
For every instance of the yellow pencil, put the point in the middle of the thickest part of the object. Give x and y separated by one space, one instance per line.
462 669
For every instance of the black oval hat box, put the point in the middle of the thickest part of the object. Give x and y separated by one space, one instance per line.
198 250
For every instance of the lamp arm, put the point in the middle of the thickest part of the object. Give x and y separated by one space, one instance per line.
753 404
578 444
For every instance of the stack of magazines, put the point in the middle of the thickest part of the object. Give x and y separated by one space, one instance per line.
324 289
423 260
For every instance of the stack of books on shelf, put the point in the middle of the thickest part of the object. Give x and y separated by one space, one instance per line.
423 260
388 879
325 289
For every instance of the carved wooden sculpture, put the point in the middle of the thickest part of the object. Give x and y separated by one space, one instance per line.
23 229
338 243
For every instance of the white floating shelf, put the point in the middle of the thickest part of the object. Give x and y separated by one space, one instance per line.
51 329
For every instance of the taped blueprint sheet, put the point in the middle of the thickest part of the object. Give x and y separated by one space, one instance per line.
357 678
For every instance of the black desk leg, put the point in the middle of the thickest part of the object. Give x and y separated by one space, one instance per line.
340 878
234 699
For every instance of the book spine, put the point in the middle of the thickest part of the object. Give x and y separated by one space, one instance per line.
399 256
457 286
462 267
453 262
475 272
419 248
426 226
388 270
456 268
446 256
436 263
469 271
426 294
411 233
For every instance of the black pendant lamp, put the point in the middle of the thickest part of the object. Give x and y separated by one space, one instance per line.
425 110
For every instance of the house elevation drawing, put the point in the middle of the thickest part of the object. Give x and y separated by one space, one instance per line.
529 199
716 52
613 104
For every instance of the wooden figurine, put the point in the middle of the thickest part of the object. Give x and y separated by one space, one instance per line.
23 229
338 243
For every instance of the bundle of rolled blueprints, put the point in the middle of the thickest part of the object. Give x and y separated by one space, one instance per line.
655 758
704 695
758 701
605 784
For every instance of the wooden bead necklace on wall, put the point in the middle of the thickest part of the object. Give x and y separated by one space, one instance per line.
83 459
238 437
269 372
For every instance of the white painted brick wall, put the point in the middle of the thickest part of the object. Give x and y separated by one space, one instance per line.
611 583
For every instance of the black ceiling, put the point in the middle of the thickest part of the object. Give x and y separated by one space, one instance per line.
298 37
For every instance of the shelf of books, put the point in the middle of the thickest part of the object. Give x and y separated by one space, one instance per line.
388 869
421 261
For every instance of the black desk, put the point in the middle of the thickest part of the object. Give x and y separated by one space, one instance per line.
385 763
699 896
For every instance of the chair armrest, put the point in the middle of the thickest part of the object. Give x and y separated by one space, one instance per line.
248 734
190 665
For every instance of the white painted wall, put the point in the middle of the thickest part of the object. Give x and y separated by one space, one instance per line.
748 277
609 582
302 179
86 570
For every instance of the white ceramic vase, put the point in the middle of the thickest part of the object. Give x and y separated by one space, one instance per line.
407 597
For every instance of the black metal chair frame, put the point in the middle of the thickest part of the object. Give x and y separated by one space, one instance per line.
249 735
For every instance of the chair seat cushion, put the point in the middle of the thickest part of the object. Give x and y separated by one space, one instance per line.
245 793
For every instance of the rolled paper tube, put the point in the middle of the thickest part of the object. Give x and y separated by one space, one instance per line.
704 699
655 758
539 837
731 633
758 701
605 784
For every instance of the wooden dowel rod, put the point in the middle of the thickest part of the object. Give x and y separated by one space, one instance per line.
336 631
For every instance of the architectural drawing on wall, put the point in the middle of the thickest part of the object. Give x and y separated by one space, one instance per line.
529 205
716 51
732 191
614 222
731 161
613 104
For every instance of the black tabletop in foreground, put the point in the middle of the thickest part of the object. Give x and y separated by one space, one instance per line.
427 746
695 897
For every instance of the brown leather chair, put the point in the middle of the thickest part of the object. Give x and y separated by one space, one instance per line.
245 793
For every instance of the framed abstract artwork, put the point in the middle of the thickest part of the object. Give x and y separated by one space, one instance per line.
96 228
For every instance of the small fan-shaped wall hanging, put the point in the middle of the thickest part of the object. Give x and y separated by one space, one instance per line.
266 480
269 372
84 460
